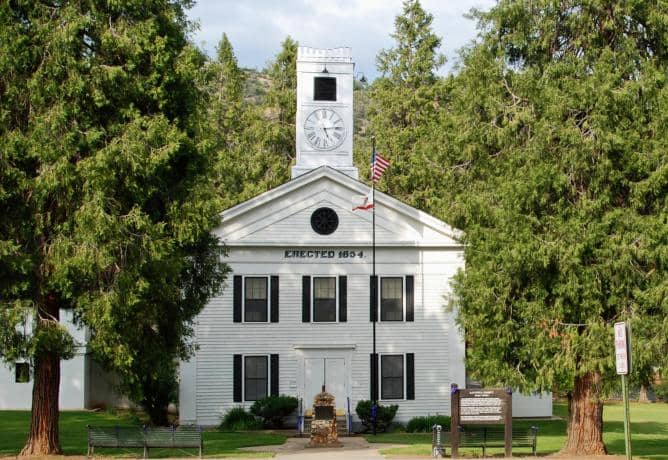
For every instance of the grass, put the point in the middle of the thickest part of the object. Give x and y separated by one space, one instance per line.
649 428
73 439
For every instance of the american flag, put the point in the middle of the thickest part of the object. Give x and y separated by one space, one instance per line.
378 166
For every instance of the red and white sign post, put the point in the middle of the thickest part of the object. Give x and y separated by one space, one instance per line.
623 365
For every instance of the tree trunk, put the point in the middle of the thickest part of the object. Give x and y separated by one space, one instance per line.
585 417
43 438
643 395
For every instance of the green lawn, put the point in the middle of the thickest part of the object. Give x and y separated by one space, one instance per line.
649 428
14 428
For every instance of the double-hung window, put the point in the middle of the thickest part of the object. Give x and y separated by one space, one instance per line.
324 299
256 377
256 299
392 377
392 298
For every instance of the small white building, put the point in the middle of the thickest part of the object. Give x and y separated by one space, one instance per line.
83 382
297 310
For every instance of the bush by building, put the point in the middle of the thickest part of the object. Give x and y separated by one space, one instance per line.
237 419
425 424
273 409
384 415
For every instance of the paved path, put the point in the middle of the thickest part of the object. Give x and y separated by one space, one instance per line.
354 448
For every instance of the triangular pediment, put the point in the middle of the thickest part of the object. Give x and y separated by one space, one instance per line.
282 216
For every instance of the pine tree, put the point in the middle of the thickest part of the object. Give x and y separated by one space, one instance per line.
226 106
405 99
106 200
553 151
253 142
281 101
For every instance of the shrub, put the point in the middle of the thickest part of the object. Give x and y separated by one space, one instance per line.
661 390
273 409
237 419
384 415
425 424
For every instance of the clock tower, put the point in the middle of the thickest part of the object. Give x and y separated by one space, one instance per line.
324 110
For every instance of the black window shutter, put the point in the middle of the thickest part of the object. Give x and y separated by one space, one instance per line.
373 301
410 298
236 377
274 299
343 299
274 375
374 376
410 376
306 299
238 292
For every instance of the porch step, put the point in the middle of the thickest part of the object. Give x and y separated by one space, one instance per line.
341 425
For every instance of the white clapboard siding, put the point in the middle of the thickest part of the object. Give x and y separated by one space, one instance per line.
428 337
271 234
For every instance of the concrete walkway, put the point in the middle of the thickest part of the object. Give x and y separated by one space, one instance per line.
354 448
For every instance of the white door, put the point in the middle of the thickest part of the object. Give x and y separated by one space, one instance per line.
330 372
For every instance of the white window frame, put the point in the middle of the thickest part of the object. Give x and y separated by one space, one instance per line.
403 298
380 375
243 299
243 374
336 298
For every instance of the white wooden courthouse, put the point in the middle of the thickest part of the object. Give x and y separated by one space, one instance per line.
296 312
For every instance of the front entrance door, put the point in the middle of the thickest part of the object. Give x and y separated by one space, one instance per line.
330 372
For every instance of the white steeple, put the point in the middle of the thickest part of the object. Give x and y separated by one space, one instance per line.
324 110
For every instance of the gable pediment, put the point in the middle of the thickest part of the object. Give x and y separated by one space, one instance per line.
282 217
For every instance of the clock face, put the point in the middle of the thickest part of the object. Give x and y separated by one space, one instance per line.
324 129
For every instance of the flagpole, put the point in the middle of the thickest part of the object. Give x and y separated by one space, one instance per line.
375 281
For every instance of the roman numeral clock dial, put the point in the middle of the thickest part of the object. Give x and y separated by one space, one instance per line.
324 129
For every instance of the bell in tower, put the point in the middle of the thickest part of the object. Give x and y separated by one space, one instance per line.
324 110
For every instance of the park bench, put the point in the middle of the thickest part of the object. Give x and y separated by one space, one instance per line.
494 436
144 438
487 436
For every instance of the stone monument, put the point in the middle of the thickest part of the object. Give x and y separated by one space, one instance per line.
323 426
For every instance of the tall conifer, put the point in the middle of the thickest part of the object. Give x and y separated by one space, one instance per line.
106 201
405 100
553 153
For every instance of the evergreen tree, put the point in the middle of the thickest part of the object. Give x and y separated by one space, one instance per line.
106 200
553 162
226 106
281 102
253 143
405 99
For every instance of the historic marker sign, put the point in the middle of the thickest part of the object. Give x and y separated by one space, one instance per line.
480 407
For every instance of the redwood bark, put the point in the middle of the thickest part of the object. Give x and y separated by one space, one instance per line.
585 417
43 438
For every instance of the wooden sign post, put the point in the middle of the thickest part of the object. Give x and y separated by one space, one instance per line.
480 407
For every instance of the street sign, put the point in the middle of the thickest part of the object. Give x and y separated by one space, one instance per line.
623 365
622 362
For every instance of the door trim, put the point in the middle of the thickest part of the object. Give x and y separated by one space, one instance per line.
322 352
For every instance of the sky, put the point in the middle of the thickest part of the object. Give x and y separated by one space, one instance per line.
256 28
